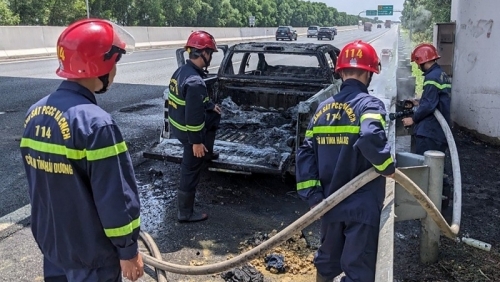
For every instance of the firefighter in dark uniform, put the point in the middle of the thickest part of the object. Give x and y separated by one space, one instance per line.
345 137
194 120
84 199
436 95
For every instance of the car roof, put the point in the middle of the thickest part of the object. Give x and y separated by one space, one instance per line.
277 47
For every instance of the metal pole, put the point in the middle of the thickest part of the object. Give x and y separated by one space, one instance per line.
411 23
429 235
88 10
359 18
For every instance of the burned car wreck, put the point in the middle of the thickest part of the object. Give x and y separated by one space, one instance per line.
268 92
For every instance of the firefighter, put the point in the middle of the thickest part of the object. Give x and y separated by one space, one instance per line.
194 119
83 192
428 133
345 137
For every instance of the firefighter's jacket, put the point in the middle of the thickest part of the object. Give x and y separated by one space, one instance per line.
84 199
345 137
187 102
436 95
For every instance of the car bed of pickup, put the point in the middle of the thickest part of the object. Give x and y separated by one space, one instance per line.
268 92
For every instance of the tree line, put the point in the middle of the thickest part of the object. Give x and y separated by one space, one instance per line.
207 13
421 15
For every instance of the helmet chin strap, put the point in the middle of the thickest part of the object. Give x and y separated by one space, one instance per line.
105 83
206 62
369 80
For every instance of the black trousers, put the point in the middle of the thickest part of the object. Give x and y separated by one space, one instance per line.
191 166
349 247
423 144
53 273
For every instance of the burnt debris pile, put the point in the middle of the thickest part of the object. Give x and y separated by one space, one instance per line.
258 126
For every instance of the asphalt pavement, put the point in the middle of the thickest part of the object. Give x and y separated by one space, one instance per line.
135 101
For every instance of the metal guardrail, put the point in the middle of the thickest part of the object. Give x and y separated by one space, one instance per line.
426 171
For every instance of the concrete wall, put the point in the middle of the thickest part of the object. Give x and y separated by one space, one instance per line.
454 10
476 83
19 41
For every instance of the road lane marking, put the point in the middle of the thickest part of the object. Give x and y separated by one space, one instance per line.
144 61
211 68
14 217
119 64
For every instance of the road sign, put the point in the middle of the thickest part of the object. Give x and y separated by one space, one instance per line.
385 10
251 21
371 12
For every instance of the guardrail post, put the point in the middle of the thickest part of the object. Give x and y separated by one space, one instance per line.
429 236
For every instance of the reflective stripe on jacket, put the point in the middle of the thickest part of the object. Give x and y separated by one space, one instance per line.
187 102
345 137
83 191
436 95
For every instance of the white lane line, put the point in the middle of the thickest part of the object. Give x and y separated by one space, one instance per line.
119 64
144 61
211 68
14 217
27 61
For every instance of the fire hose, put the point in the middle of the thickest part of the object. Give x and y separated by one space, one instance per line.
318 211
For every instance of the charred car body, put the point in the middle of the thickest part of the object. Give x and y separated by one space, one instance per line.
268 92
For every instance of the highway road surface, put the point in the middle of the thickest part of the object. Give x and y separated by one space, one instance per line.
135 101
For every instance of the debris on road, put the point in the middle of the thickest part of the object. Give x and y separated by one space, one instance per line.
246 273
296 255
275 263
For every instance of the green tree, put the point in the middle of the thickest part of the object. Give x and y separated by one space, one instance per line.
217 13
421 15
6 15
149 13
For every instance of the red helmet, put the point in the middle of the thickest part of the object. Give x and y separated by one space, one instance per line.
358 55
91 47
424 53
201 40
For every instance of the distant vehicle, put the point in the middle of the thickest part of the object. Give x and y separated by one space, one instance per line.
312 31
385 55
379 26
326 32
368 26
360 23
388 23
286 32
334 30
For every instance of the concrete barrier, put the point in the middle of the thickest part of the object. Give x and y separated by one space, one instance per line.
37 41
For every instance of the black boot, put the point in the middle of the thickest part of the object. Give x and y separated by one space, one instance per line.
209 144
447 193
186 211
320 278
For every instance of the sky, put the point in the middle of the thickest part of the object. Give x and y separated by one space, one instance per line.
353 7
